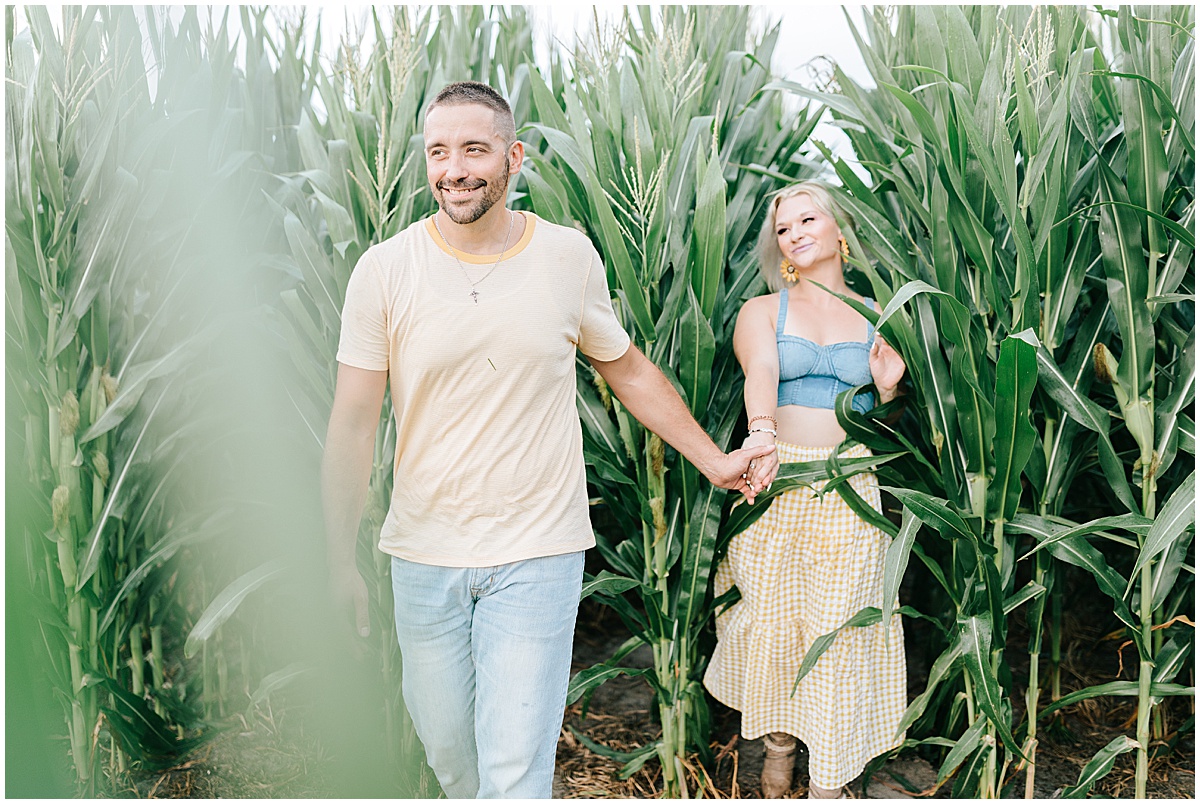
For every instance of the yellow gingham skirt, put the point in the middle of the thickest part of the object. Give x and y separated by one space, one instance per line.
805 567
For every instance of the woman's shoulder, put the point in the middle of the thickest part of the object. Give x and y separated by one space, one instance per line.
764 309
767 301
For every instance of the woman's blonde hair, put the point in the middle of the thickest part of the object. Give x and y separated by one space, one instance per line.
769 255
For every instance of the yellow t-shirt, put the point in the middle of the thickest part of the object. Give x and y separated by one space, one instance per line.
489 449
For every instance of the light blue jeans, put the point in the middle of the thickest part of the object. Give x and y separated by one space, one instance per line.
486 656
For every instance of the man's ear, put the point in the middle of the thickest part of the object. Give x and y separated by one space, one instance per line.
516 156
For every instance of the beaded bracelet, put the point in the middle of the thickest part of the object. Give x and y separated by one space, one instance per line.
768 418
765 430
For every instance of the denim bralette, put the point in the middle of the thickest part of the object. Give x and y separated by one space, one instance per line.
813 375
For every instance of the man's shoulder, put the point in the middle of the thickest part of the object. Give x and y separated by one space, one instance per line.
404 239
569 234
397 250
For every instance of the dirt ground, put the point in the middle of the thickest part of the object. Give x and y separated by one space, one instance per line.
270 758
620 716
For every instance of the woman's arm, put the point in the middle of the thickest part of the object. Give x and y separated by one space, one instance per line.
755 348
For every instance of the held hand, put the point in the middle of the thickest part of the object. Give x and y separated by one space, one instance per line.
733 470
349 590
887 368
761 471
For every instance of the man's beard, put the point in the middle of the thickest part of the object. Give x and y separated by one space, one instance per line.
494 191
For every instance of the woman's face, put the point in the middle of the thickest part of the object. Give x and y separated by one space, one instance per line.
806 235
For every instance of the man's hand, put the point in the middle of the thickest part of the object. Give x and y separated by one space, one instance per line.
761 472
350 591
739 470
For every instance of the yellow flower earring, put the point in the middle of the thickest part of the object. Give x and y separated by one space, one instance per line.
845 249
789 272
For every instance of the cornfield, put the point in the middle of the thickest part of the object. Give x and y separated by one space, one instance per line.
186 196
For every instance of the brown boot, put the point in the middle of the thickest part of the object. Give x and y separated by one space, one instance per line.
778 762
820 792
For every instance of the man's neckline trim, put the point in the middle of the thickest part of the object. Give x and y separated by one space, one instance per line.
484 259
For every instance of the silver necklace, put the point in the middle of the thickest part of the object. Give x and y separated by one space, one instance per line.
475 293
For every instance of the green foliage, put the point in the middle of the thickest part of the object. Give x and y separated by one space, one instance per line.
1027 217
173 188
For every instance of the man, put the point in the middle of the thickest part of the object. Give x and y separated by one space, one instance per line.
475 315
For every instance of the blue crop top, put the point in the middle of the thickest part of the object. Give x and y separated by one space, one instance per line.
813 375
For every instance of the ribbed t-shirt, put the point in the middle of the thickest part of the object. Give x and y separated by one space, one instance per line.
489 464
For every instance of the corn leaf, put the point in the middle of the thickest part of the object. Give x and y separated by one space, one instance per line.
226 603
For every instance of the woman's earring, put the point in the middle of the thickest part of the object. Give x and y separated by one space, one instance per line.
845 249
789 272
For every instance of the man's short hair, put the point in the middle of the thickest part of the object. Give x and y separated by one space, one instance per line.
461 93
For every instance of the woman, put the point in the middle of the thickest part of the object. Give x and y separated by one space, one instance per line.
809 563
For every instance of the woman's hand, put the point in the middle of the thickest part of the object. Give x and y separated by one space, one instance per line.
887 369
761 472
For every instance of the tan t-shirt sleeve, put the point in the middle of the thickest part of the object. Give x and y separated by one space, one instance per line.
601 335
364 341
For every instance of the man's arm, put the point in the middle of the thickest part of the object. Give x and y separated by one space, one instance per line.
655 403
345 475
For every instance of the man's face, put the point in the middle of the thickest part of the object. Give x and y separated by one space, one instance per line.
468 164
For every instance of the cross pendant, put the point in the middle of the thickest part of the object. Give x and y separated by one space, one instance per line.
475 295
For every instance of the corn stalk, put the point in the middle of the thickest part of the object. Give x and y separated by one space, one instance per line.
95 355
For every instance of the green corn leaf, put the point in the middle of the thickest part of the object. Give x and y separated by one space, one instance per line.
620 756
867 616
703 523
793 476
1128 276
1171 523
1123 688
596 420
975 637
1171 659
940 670
970 742
164 549
1075 550
1100 766
1016 376
1066 393
936 571
708 233
1048 532
1166 570
966 783
934 512
606 583
895 561
276 681
587 680
156 741
226 603
1028 592
698 348
838 103
1146 168
133 385
94 543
